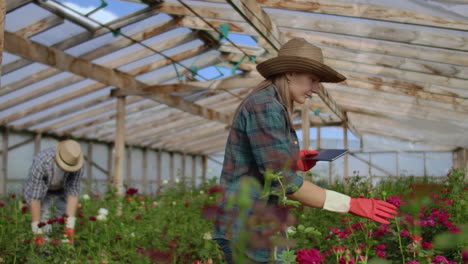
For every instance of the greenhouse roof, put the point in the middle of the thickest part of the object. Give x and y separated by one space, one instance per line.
184 66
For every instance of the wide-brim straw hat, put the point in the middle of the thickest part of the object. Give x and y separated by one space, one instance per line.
68 156
298 55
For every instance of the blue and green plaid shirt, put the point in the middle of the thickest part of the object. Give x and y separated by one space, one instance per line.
261 139
41 173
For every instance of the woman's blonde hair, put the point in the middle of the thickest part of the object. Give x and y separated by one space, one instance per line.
282 87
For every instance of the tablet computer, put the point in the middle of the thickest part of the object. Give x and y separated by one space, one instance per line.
329 154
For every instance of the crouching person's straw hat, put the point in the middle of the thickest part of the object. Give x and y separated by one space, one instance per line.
68 155
298 55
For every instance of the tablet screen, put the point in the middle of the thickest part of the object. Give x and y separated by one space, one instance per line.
329 154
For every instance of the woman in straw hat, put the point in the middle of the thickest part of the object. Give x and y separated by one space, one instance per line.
262 139
54 184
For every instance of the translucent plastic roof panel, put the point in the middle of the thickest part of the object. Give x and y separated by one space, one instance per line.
25 16
373 142
92 44
164 74
47 97
69 104
145 24
241 40
22 73
8 58
156 57
58 33
35 86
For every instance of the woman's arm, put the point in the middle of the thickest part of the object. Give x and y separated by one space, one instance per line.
310 195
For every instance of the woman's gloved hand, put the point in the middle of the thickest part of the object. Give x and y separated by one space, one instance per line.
375 210
305 162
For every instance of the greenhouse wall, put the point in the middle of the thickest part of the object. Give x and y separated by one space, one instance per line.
138 163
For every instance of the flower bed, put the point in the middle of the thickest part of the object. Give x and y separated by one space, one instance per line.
175 228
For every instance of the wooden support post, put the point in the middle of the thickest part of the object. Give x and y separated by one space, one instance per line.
145 171
128 170
37 143
171 167
369 166
2 29
397 165
159 172
119 146
318 138
331 181
110 151
205 168
194 171
345 161
89 169
425 164
182 173
305 128
4 171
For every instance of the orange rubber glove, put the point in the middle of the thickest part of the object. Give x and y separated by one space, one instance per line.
69 234
305 162
376 210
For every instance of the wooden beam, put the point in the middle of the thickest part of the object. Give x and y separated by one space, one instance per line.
128 167
2 29
37 143
349 97
345 159
62 112
40 91
87 35
253 14
228 83
363 10
305 125
40 26
194 171
40 53
89 171
119 146
91 126
351 42
140 70
203 137
188 134
368 58
171 167
159 171
37 108
18 145
388 73
204 168
4 169
144 169
110 167
409 34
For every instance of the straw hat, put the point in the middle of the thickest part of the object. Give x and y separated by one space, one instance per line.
298 55
68 155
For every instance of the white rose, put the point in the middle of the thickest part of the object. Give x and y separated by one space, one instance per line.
165 182
177 180
103 211
291 230
207 236
101 217
202 192
85 197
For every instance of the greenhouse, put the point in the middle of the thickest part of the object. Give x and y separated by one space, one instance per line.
146 104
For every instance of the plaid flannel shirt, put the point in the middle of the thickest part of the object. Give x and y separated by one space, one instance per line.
260 140
41 173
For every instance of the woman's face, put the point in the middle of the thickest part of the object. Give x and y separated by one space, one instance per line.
302 86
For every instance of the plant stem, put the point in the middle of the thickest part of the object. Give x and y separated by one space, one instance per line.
399 239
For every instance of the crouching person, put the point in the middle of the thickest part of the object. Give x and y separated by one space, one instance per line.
53 187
